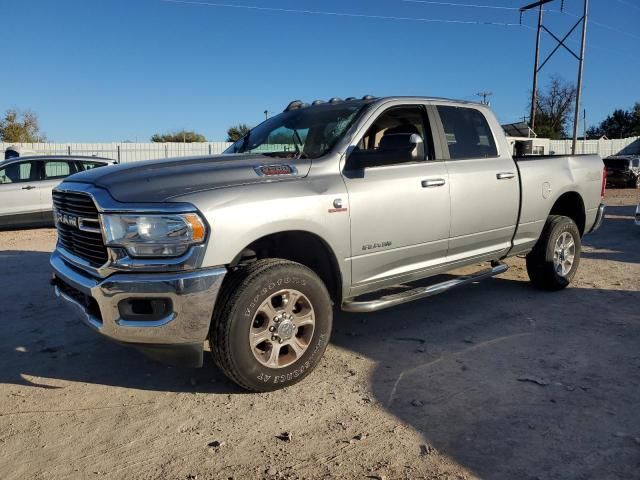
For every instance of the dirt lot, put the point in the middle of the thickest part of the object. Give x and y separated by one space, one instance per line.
495 380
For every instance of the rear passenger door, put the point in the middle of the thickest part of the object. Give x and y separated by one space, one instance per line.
485 195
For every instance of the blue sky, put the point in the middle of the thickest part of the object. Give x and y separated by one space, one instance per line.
113 70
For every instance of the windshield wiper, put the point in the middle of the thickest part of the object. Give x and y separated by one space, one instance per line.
299 152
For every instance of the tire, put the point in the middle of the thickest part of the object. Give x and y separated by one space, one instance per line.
545 272
254 299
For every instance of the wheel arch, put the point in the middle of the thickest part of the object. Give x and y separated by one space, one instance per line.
570 204
299 246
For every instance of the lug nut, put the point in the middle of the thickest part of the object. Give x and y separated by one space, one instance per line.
281 340
274 337
272 329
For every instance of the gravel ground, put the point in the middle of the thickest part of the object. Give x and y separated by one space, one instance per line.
494 380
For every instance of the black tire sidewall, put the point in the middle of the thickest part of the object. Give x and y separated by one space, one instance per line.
252 372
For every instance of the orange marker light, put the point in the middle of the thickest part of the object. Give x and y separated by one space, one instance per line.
198 229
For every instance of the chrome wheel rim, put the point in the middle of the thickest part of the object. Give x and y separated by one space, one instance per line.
282 328
564 254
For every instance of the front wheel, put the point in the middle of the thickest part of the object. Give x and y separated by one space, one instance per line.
554 260
272 325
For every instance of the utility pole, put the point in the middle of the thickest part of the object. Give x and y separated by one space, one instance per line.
580 68
266 114
534 90
484 96
559 43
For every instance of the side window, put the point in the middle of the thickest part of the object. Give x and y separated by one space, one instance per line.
17 172
468 133
386 141
57 169
84 166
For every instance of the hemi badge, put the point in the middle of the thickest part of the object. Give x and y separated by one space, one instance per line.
275 170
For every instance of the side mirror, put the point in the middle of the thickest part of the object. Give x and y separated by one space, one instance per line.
394 148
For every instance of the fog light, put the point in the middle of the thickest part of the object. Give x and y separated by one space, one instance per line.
145 309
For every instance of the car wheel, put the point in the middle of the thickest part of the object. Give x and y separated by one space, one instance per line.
272 325
554 260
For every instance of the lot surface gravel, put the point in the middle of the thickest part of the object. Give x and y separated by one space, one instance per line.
495 380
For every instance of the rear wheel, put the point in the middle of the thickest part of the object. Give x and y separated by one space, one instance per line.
272 326
554 260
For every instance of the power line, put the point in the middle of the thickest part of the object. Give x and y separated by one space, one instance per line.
601 25
465 5
341 14
629 4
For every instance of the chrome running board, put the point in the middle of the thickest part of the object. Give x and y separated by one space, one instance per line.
421 292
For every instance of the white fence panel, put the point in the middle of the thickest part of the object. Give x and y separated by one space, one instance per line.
604 148
134 152
125 152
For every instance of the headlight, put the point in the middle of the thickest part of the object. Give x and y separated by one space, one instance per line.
154 235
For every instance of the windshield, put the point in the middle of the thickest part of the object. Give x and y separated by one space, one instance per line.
302 133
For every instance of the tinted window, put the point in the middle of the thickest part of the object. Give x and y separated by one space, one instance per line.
16 172
620 163
57 169
468 133
88 165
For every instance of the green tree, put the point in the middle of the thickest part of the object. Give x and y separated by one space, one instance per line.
182 136
619 124
20 127
553 109
236 132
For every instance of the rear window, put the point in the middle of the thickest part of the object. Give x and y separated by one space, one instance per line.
57 169
468 133
89 165
617 162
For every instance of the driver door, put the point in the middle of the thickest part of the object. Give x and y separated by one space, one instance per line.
399 205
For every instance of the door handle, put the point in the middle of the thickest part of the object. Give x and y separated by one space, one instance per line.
436 182
28 187
505 175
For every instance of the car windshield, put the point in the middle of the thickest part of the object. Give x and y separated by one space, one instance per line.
302 133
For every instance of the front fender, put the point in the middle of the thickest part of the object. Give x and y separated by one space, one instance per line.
240 215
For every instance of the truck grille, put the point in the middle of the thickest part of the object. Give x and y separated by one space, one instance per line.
80 211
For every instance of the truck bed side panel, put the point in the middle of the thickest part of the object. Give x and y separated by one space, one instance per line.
544 179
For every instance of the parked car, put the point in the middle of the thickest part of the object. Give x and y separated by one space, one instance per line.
623 170
638 215
324 204
26 184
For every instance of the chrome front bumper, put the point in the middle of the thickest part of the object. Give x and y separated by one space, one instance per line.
177 337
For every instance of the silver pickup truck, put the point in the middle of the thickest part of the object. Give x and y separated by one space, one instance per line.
332 203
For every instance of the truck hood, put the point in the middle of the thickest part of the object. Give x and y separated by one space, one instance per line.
160 180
